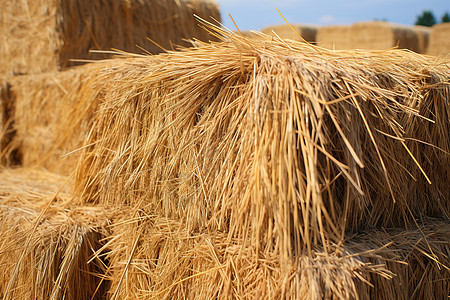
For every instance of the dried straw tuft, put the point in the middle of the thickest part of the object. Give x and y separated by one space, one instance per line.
46 244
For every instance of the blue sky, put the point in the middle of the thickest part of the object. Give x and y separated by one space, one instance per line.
257 14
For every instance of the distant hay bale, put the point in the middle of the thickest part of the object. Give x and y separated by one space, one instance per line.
298 32
439 40
376 35
379 35
44 35
156 257
51 116
46 251
336 37
423 38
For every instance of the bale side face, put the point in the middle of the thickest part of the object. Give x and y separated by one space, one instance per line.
52 117
122 25
30 42
9 153
155 257
334 37
46 254
423 38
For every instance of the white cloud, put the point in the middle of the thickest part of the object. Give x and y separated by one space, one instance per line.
326 19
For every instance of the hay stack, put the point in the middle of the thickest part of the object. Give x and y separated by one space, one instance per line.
439 41
174 264
52 114
156 112
46 250
334 37
379 35
42 36
295 32
278 148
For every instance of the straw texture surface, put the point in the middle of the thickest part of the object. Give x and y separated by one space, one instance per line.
269 155
46 244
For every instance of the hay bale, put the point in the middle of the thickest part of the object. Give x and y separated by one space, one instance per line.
155 257
44 35
144 109
46 250
379 35
423 38
280 146
334 37
418 257
295 32
51 116
439 42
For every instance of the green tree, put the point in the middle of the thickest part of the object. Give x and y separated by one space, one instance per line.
426 19
445 18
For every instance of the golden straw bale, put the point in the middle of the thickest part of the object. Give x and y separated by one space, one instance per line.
281 146
439 40
418 258
423 38
44 35
297 134
52 116
155 257
46 244
298 32
379 35
336 37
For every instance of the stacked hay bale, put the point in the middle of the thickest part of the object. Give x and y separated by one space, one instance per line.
376 35
44 35
296 32
439 42
48 242
334 37
247 167
51 116
47 245
379 35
